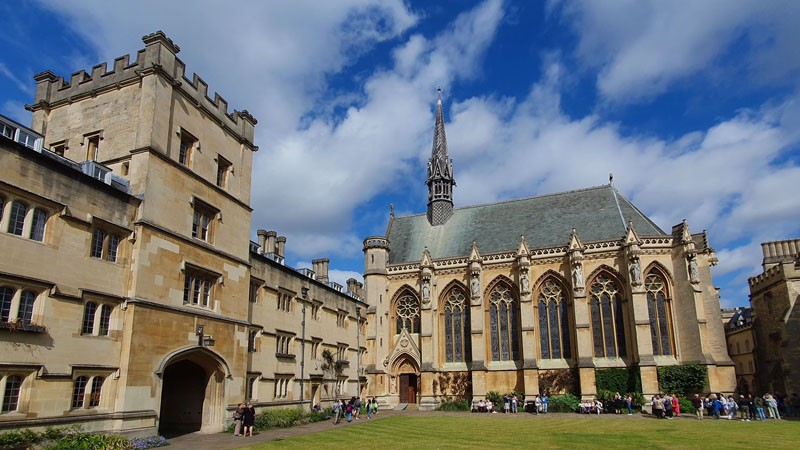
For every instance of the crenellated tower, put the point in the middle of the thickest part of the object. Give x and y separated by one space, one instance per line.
440 174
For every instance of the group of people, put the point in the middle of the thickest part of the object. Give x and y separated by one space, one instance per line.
666 406
746 407
595 405
510 404
352 409
244 418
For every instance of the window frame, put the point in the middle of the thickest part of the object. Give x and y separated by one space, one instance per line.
11 391
203 230
199 287
224 170
187 144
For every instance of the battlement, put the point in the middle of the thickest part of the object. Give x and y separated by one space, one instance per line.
158 57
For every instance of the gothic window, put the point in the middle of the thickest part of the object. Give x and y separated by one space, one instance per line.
607 317
78 392
11 393
658 310
503 324
407 314
456 326
554 329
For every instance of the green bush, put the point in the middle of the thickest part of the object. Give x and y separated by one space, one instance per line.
88 441
563 403
686 405
454 405
620 380
18 438
285 418
496 398
685 380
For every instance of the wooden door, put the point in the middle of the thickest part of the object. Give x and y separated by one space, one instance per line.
404 385
412 389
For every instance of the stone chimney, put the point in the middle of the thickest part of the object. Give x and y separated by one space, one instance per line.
355 287
320 267
262 240
280 246
270 247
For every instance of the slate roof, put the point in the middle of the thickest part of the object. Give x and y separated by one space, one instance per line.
598 214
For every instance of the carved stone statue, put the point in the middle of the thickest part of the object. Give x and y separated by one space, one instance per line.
693 274
636 272
475 285
577 276
426 290
523 281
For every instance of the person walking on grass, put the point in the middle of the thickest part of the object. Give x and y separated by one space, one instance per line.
337 411
357 407
697 402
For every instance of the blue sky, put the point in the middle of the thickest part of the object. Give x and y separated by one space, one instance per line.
694 106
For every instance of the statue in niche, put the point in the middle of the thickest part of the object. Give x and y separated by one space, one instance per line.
475 285
426 290
693 275
636 272
523 281
577 275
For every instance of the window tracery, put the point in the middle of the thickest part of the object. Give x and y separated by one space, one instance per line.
607 317
658 310
503 324
407 314
456 326
554 329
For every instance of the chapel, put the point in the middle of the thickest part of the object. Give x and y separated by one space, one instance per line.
534 295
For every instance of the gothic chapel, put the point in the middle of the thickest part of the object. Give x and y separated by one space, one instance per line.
511 295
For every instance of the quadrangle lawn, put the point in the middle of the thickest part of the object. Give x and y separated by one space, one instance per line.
460 431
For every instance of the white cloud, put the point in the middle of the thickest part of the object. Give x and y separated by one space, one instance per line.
642 47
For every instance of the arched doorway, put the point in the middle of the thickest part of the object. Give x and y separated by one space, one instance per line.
407 380
192 392
182 397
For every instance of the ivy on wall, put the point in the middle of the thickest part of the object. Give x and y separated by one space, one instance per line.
686 380
622 380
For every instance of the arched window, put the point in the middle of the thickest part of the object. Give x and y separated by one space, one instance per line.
503 324
6 296
11 393
78 391
37 226
17 220
456 326
608 326
554 330
105 320
658 310
26 303
94 393
88 318
407 314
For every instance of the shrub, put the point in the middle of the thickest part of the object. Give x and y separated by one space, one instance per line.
686 405
563 403
89 441
454 405
285 418
620 380
686 380
496 399
18 438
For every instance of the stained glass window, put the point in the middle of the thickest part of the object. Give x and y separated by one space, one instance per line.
503 324
407 313
658 310
456 323
554 330
608 326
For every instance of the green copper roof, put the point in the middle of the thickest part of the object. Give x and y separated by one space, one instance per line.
597 213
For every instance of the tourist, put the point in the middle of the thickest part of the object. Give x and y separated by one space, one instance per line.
481 406
759 401
374 405
697 402
732 407
617 403
751 407
716 406
744 408
337 411
349 409
248 419
489 406
723 405
369 408
514 403
237 419
629 404
506 404
772 406
676 405
357 407
658 406
545 402
668 411
598 405
537 402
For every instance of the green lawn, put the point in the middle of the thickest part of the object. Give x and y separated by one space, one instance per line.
498 431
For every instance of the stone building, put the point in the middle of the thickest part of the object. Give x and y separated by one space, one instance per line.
774 299
131 297
741 347
505 296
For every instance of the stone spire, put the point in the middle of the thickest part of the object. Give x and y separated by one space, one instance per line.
440 174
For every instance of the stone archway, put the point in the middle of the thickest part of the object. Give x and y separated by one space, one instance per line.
407 374
192 392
